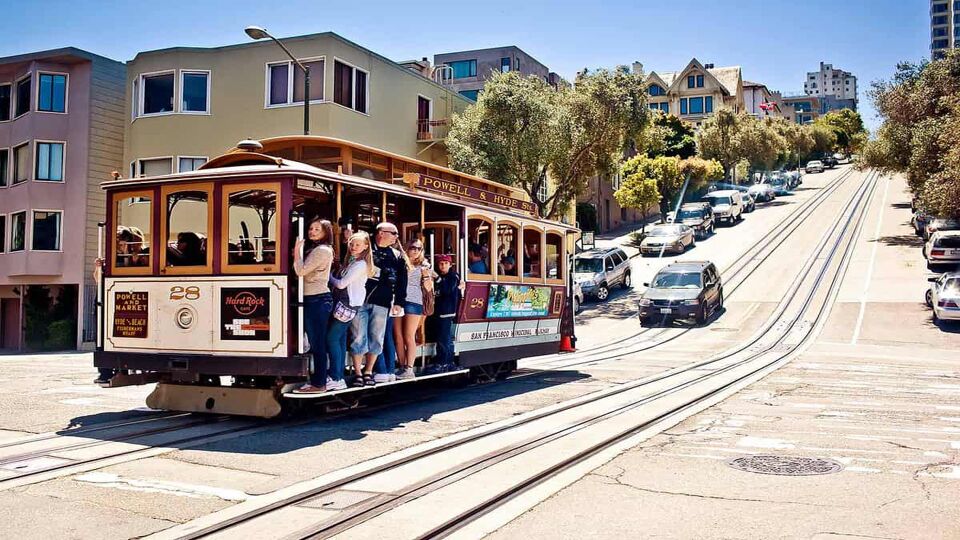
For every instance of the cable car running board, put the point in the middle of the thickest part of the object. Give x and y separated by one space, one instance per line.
215 399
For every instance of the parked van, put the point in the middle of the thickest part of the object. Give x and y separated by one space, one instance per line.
727 205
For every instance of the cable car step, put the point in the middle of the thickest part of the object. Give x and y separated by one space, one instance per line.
212 399
132 379
351 390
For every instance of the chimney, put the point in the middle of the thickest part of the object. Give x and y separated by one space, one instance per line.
637 67
708 66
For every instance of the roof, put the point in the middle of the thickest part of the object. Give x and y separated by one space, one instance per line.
63 52
686 265
530 56
728 77
596 252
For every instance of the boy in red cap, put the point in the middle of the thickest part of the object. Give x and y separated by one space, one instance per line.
448 300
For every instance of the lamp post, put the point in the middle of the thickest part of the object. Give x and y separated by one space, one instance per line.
256 32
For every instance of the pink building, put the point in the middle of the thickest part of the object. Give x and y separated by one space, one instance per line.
61 134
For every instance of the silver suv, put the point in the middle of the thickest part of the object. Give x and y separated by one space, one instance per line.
599 270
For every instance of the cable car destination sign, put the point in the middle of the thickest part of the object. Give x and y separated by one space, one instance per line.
448 187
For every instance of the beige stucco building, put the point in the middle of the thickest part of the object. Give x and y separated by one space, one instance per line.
185 105
696 91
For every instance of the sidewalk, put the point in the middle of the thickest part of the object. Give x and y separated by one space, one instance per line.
620 237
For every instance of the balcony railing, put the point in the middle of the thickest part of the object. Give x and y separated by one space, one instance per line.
432 130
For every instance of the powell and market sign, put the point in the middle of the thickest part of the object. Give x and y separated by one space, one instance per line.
447 187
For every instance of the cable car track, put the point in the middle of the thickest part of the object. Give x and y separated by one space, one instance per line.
783 345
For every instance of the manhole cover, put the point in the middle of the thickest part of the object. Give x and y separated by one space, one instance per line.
785 465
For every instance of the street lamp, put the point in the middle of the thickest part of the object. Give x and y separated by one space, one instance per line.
256 32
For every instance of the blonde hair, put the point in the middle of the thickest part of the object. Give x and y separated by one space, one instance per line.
413 263
366 256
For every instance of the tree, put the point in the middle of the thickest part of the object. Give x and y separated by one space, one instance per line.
824 138
799 141
640 193
761 145
847 125
667 135
521 131
730 137
669 173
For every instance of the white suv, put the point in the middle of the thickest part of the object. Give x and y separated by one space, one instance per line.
942 248
728 205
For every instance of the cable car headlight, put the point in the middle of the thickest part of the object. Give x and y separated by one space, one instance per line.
185 318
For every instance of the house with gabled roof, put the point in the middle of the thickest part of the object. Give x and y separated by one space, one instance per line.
696 91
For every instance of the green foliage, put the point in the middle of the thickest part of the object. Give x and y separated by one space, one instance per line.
667 174
668 136
730 137
824 138
920 135
640 193
521 130
848 128
50 324
62 335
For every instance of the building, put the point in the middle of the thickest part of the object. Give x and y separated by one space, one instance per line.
467 71
802 109
832 83
760 102
696 91
61 133
944 27
187 104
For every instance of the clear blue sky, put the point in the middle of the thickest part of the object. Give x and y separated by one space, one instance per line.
775 41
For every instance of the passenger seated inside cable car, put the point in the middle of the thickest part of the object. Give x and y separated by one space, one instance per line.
188 250
132 249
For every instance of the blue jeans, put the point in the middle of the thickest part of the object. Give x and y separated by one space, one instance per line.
316 311
368 329
337 347
444 340
387 361
411 308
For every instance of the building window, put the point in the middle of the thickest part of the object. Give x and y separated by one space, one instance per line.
939 8
941 43
5 101
939 32
4 166
470 94
53 93
542 192
350 86
691 81
463 68
3 233
285 82
187 164
956 18
505 64
696 105
683 105
156 94
656 90
23 97
21 163
939 19
46 231
708 104
49 162
154 167
699 81
665 107
18 231
195 91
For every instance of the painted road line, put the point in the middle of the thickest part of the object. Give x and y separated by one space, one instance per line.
873 260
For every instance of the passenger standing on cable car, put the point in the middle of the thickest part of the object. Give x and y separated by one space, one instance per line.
386 293
314 267
350 290
449 290
419 285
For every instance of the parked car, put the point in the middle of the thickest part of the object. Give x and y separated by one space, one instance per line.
943 296
672 237
942 248
749 203
829 161
577 297
727 205
795 178
935 224
780 185
762 192
682 290
919 222
599 270
813 166
697 216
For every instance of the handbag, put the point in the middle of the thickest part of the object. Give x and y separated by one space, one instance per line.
426 288
342 310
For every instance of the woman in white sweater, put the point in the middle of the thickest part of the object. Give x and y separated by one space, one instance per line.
349 288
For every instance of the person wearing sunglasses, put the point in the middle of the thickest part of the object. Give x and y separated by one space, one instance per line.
419 283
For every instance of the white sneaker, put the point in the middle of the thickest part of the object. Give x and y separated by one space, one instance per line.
336 385
393 377
381 378
406 374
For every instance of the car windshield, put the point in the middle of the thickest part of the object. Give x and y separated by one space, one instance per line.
587 266
666 230
677 280
948 242
717 201
951 287
690 214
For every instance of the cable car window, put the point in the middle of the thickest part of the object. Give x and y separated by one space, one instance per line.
186 227
252 226
133 217
554 256
532 239
479 246
507 237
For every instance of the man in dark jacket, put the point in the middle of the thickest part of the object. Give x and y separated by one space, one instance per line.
386 294
448 287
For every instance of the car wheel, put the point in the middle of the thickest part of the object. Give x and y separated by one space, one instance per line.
627 282
603 292
701 316
929 298
720 302
693 242
936 320
644 321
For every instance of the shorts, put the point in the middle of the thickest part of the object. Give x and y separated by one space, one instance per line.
367 330
411 308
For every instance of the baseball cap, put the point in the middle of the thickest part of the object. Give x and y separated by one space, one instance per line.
444 258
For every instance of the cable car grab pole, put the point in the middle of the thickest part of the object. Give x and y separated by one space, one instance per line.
300 328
